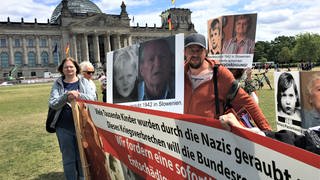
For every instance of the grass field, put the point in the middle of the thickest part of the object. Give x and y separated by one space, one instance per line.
28 151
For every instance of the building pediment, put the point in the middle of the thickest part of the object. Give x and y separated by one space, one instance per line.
101 20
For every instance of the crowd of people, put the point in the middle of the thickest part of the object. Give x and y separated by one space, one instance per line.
206 88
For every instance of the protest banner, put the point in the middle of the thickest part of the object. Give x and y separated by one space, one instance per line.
149 144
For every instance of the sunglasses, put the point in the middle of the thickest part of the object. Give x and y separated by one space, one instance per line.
89 72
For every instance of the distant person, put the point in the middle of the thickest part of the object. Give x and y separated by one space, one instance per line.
215 37
66 89
276 67
103 83
312 117
156 65
125 75
288 101
87 70
240 43
249 86
246 76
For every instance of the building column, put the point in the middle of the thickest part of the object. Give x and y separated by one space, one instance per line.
96 50
107 46
117 41
106 42
11 56
85 48
130 40
50 51
24 51
125 41
74 48
38 56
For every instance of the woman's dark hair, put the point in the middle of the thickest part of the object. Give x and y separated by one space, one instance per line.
60 67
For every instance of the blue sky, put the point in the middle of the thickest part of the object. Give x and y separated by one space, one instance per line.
275 17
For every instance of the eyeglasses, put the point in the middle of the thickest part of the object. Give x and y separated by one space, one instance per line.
89 72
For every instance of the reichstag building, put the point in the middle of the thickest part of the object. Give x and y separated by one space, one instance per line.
29 49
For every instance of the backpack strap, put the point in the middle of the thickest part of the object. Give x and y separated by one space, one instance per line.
233 91
215 85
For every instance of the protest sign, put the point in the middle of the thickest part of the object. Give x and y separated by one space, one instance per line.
153 144
296 100
231 39
288 101
148 74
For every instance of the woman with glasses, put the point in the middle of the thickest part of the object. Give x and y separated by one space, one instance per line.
87 71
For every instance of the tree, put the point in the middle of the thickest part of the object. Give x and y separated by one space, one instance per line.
307 48
284 55
302 48
261 50
278 44
263 60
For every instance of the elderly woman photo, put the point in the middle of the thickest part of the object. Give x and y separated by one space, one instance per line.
312 116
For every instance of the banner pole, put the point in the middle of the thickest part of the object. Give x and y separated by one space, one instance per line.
77 125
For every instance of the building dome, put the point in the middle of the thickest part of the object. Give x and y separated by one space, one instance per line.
76 7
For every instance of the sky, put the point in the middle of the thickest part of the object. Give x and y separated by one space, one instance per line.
275 17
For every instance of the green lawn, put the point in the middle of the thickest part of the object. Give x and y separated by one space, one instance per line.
266 100
28 151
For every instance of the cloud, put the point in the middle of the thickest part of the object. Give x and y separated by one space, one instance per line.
28 9
146 19
275 17
108 6
272 17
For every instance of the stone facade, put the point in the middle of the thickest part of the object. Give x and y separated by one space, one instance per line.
32 49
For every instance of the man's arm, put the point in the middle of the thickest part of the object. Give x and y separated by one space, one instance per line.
243 100
229 120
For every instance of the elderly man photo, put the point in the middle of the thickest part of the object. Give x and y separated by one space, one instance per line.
156 67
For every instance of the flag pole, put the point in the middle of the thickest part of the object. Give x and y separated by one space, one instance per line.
58 58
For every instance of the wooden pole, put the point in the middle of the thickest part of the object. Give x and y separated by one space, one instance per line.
77 125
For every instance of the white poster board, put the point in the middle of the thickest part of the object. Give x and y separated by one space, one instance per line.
171 98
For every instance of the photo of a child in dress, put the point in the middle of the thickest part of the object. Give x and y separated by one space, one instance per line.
288 98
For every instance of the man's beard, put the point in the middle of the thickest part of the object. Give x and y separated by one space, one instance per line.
196 65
